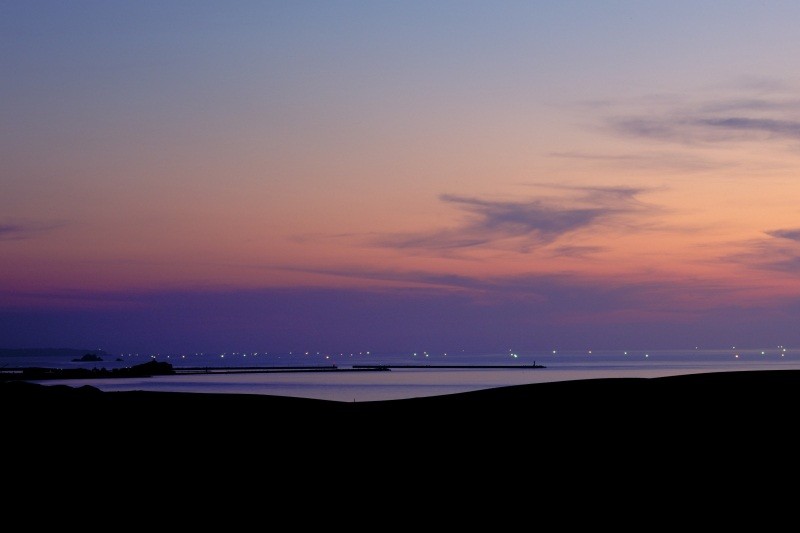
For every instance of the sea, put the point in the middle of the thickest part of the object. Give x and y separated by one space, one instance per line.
353 377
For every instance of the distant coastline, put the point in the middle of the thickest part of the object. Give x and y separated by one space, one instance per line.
151 368
47 352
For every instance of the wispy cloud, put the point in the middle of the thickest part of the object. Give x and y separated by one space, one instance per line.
779 251
577 251
736 105
565 294
429 280
671 161
784 128
521 225
717 120
11 231
791 234
708 130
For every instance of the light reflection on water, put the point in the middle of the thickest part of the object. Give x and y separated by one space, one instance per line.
406 382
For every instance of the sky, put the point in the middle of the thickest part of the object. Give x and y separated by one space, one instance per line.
399 176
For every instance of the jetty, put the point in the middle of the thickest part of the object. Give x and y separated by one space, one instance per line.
481 367
270 369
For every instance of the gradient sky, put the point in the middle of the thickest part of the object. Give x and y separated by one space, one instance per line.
396 176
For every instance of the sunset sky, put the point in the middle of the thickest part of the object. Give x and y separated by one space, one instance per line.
393 176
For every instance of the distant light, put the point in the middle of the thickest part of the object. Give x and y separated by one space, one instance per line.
647 355
624 353
736 356
590 351
554 351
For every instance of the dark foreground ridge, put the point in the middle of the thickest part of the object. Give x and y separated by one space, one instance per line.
649 428
730 399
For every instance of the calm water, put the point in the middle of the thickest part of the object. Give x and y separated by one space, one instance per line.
413 382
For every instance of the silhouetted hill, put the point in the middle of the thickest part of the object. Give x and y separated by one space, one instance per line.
730 401
559 437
